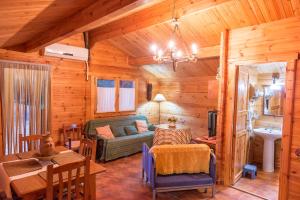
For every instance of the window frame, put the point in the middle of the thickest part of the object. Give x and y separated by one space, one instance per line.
117 96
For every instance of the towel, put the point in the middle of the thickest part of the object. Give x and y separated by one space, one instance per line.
182 158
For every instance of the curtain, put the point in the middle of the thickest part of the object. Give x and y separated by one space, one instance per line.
126 96
106 102
106 93
127 99
25 97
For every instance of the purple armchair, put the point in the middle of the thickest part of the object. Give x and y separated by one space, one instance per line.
176 182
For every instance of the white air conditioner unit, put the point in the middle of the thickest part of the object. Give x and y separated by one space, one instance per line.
67 51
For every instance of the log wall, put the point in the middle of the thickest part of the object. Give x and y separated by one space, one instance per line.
108 61
189 99
67 85
273 42
71 92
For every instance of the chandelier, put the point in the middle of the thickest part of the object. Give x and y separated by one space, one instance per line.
172 53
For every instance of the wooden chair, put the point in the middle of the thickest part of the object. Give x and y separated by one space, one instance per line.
88 148
72 136
29 143
70 181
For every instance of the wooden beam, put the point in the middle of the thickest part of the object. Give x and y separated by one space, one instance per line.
206 52
222 92
156 14
288 128
97 14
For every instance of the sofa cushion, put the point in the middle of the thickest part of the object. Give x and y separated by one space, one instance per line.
177 180
127 145
129 139
90 128
105 132
130 130
141 126
118 131
151 127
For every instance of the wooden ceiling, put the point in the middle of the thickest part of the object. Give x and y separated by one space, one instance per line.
204 67
29 25
21 20
205 27
132 25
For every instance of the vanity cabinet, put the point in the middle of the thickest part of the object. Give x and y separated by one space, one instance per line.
258 149
277 153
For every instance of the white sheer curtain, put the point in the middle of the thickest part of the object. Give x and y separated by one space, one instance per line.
106 93
25 98
127 99
106 99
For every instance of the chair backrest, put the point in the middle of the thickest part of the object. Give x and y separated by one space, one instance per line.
145 150
146 163
67 176
152 170
29 143
88 148
73 132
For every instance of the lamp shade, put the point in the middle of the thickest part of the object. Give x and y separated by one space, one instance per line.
159 98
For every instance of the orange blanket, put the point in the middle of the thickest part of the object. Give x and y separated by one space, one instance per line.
182 158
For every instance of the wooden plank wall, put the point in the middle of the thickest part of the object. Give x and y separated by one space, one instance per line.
188 100
108 61
273 42
70 90
67 83
1 137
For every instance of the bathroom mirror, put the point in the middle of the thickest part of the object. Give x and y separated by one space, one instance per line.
273 100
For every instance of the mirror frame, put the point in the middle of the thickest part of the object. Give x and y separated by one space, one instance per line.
263 109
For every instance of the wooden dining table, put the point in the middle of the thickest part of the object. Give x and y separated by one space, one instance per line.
32 187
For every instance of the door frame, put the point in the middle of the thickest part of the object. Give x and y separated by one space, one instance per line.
228 97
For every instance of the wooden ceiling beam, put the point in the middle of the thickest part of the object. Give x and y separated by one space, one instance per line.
206 52
97 14
156 14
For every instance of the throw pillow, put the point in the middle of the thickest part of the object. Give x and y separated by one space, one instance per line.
131 130
151 127
118 131
105 132
141 125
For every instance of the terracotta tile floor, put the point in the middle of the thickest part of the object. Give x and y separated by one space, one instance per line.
123 181
265 185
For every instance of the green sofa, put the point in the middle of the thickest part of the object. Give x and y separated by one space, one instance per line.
123 144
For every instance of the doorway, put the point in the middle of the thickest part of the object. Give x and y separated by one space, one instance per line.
257 128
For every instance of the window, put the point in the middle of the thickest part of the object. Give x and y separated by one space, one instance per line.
106 95
126 96
115 95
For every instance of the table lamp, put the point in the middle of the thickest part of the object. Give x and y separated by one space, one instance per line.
159 98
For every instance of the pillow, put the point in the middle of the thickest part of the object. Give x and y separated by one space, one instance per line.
118 131
151 127
130 130
105 132
141 125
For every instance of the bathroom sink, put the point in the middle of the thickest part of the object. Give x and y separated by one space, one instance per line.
268 133
269 136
